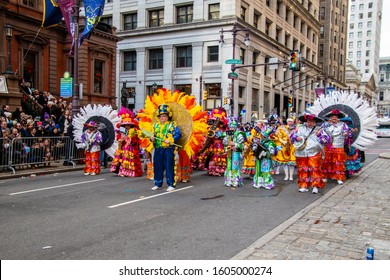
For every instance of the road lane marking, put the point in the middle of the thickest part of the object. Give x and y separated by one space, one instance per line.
55 187
148 197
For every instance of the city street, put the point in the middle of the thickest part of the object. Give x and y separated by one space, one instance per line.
71 216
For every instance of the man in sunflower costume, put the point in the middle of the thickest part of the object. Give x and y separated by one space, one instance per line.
165 134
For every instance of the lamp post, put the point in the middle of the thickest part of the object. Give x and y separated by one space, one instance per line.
234 31
8 34
75 100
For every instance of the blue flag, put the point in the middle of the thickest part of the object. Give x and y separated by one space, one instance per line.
93 11
51 13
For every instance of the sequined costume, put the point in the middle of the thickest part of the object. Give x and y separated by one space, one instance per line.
91 139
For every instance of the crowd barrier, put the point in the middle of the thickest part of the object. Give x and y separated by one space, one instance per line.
35 152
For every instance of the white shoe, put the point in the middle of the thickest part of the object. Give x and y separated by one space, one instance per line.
315 190
340 182
170 188
303 190
324 180
86 173
155 188
184 181
286 178
291 179
93 174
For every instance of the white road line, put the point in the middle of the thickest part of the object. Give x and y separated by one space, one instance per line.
55 187
148 197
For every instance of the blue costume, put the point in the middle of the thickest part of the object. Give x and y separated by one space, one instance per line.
164 153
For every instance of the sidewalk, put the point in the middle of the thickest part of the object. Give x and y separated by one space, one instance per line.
337 226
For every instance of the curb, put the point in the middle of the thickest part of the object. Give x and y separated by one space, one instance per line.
283 226
41 172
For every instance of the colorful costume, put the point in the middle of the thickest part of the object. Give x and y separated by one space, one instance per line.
164 153
309 140
352 164
183 167
335 156
234 144
91 139
286 151
264 149
127 160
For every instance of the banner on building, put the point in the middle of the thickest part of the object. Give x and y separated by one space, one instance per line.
67 7
93 11
3 85
52 14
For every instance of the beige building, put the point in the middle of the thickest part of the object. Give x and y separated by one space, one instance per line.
176 45
333 42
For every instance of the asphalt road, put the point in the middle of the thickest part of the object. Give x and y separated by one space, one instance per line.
71 216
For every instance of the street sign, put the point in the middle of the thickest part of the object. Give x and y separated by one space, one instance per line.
233 61
233 76
66 87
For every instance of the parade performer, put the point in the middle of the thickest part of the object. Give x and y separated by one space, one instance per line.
234 144
103 116
127 160
333 165
264 149
353 163
249 166
183 167
212 157
91 139
183 117
286 152
309 140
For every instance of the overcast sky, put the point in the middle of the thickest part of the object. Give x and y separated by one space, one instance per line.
385 29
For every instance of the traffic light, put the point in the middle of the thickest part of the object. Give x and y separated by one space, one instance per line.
295 63
225 100
205 95
290 102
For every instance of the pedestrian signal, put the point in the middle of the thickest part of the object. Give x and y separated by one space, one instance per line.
295 64
205 95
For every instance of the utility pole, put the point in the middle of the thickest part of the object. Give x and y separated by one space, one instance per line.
75 100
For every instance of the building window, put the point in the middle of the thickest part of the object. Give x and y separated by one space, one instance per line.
368 43
212 54
369 23
360 34
361 7
129 22
130 61
350 45
350 35
98 76
361 16
360 25
352 8
241 91
359 44
268 24
214 11
370 5
381 96
268 3
184 57
242 55
106 20
358 54
29 3
255 56
368 33
184 14
256 18
350 54
156 59
351 26
369 14
368 53
367 62
321 50
358 63
243 13
156 18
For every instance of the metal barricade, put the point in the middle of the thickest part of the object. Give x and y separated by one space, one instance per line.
35 152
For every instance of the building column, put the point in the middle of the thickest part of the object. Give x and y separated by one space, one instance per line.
140 76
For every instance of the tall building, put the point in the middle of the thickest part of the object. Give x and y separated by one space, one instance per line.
384 87
364 31
176 45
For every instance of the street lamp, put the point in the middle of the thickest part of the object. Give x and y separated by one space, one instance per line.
8 34
154 87
234 31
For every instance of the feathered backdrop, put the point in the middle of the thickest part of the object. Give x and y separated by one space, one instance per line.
190 118
362 114
106 117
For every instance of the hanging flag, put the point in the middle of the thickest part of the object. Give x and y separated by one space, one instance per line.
51 13
66 7
93 11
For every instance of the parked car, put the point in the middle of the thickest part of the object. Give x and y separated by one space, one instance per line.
383 130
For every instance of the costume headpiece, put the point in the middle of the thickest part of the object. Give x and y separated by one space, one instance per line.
335 112
127 117
266 133
91 124
219 113
308 117
164 109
